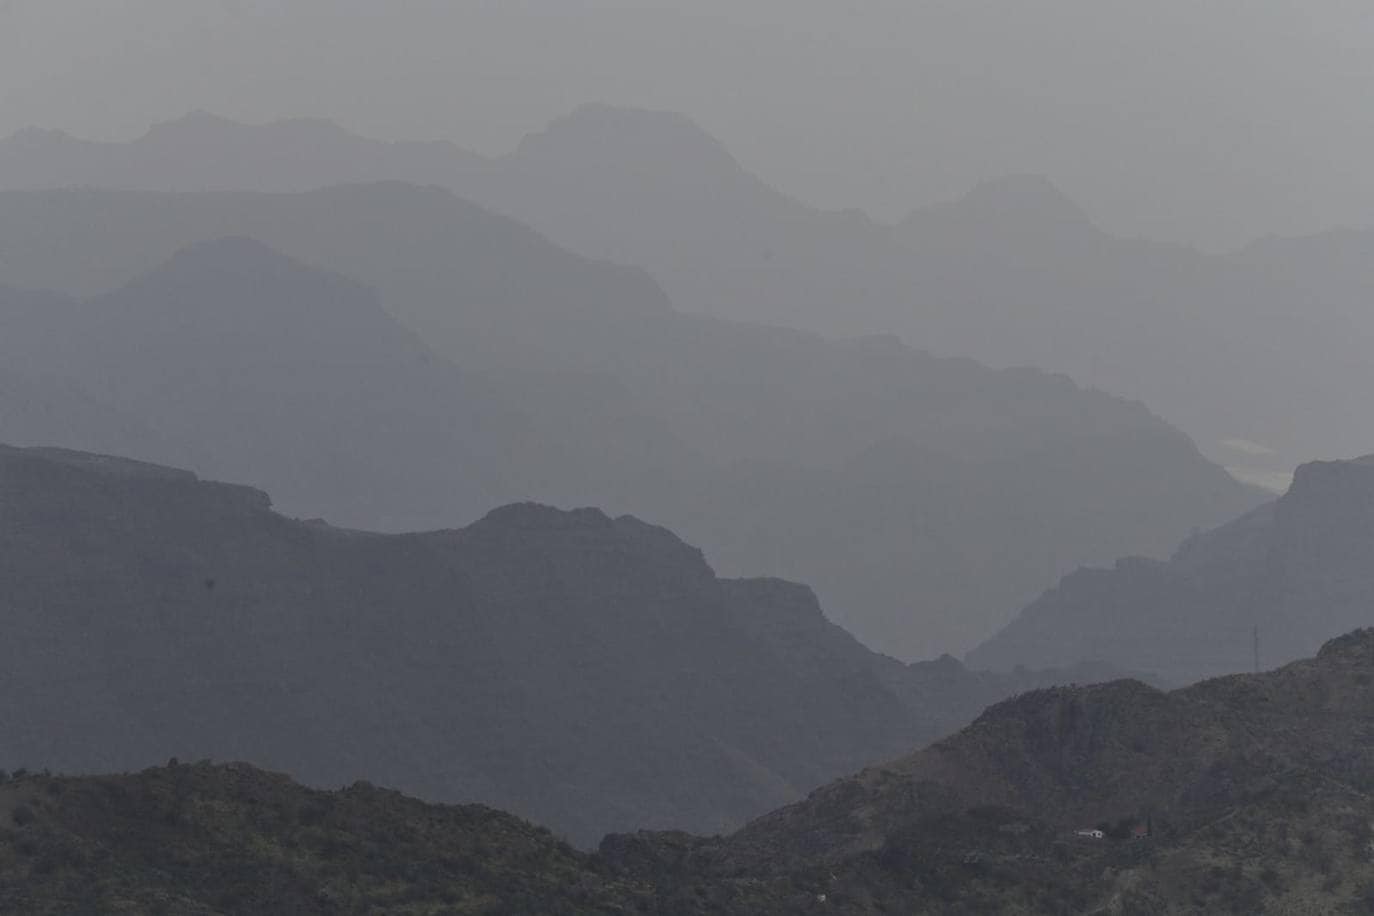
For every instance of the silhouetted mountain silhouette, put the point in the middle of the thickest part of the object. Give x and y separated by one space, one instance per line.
588 671
924 498
1266 345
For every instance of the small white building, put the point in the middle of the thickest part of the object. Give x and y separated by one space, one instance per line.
1090 833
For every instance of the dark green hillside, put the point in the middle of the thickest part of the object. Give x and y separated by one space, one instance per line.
234 839
1255 791
1252 794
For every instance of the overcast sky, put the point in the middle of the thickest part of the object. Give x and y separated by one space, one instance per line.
1208 121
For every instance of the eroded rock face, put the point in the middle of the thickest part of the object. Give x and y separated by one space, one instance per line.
1299 570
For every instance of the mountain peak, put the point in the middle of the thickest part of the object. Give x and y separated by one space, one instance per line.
234 257
248 290
532 515
1020 204
615 133
1022 189
193 122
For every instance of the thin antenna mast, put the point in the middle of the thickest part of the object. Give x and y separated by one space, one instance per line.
1256 647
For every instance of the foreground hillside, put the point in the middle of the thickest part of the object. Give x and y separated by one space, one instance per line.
231 839
1254 791
590 672
1291 572
1241 795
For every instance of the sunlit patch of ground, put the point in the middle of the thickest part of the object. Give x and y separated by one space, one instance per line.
1246 447
1273 481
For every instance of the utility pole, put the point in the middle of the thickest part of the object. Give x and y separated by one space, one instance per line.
1256 647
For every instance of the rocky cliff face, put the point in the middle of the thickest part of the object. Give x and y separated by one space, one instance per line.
1299 570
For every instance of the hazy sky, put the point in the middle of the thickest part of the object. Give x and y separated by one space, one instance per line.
1209 121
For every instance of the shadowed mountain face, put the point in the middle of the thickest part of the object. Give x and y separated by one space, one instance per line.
1295 569
1236 349
590 672
924 498
1245 794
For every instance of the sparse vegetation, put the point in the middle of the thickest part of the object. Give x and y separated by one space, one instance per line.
1247 799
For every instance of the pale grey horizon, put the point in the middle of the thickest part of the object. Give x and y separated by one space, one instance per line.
1208 124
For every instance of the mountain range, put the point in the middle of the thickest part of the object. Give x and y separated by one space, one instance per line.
400 359
587 671
1262 589
1258 354
1238 795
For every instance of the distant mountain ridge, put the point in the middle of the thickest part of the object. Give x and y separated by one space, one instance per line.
1286 573
263 370
587 671
1265 345
924 498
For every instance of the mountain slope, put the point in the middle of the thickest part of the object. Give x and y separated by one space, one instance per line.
231 839
1295 569
1252 792
1247 794
590 672
963 491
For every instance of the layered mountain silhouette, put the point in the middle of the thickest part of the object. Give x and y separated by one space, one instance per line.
1259 355
924 498
1283 574
587 671
256 368
1242 794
